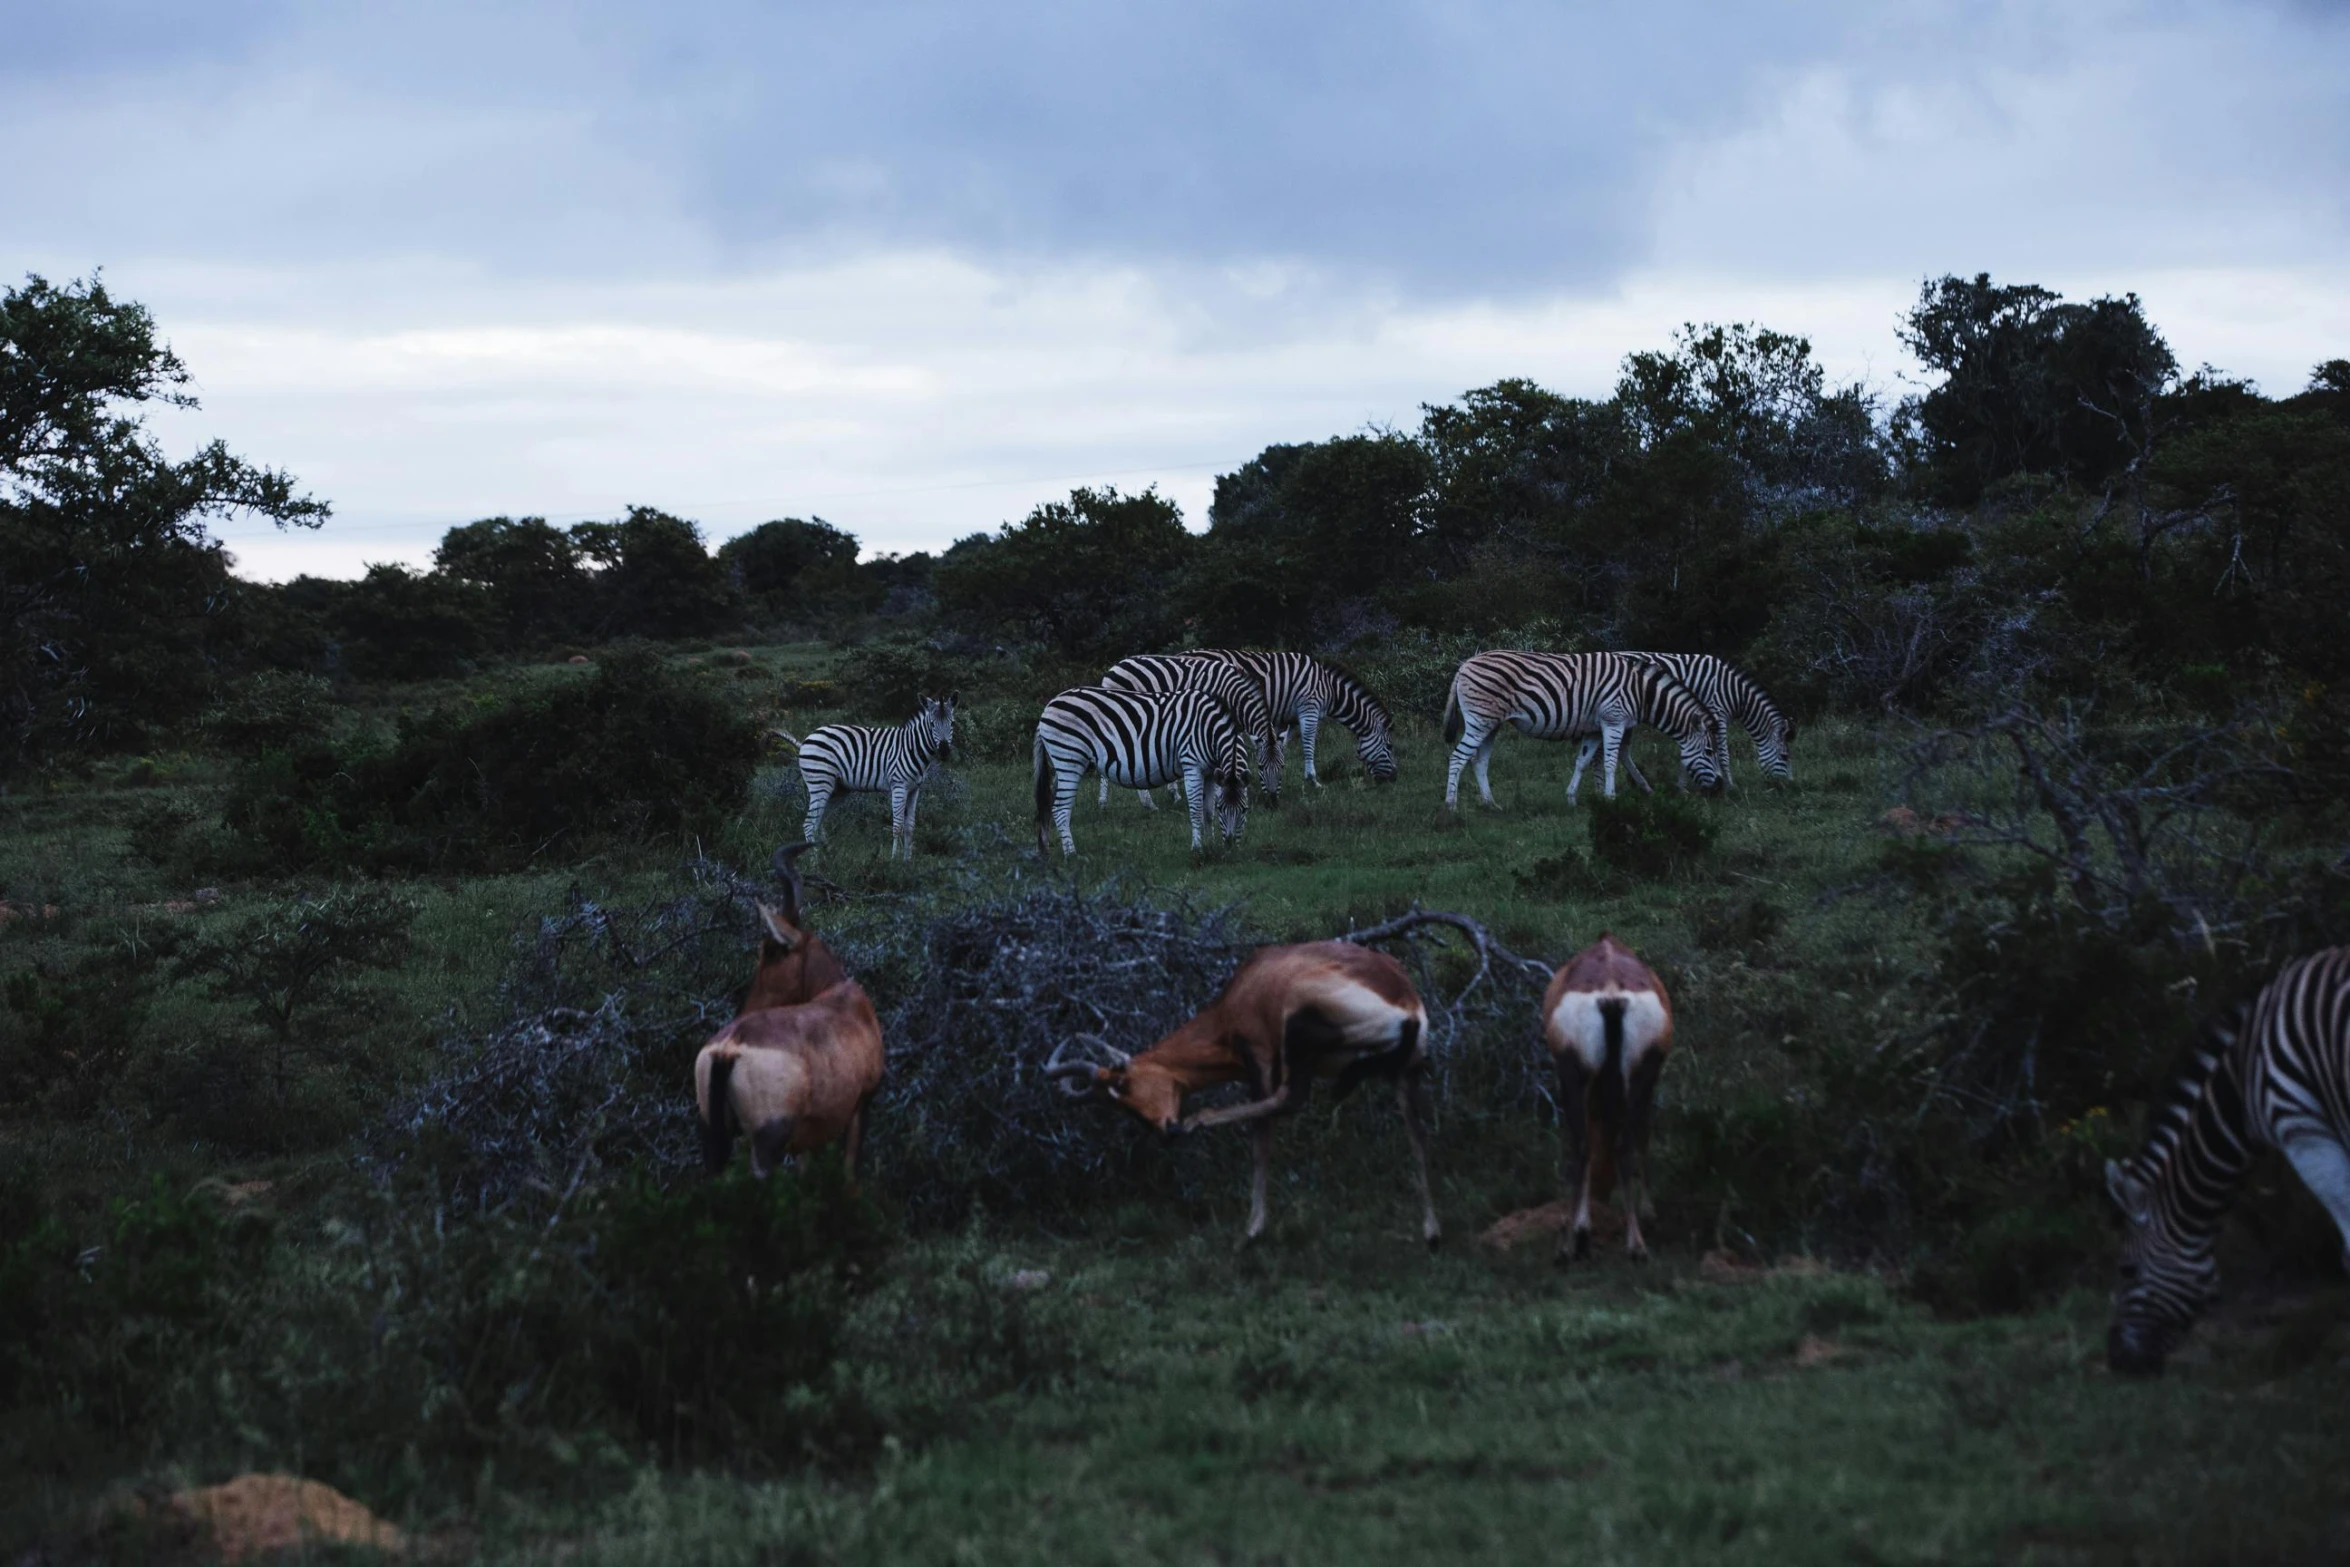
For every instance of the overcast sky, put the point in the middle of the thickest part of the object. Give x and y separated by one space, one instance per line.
915 268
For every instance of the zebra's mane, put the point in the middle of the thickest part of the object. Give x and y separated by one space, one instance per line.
2188 1085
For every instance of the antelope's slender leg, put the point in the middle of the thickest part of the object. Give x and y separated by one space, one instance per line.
852 1142
1632 1143
1575 1166
1260 1138
1407 1096
1232 1115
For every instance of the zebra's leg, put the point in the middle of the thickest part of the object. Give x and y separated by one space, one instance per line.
1064 800
1611 741
913 806
819 796
1105 794
1195 794
1485 762
901 822
1575 1161
2324 1167
1638 777
1309 723
1148 803
1407 1097
1583 755
1462 751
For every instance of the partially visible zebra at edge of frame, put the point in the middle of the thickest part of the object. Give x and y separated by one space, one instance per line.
1242 694
1732 696
1566 696
1303 690
1140 740
2276 1075
848 758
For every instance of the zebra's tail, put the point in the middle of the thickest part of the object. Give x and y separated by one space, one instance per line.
787 737
1044 792
1454 723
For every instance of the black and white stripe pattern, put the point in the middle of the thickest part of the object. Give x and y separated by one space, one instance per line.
2277 1077
1140 740
1732 696
1241 693
1567 696
846 758
1304 691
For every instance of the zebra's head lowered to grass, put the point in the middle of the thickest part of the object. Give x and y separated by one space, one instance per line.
2173 1196
1354 706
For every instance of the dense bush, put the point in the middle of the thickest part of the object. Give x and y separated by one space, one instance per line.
633 750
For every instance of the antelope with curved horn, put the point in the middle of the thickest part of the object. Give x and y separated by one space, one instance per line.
799 1063
1609 1026
1288 1016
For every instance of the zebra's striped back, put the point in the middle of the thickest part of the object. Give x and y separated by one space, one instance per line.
1300 689
849 757
1564 696
1140 740
1733 696
1242 694
2278 1075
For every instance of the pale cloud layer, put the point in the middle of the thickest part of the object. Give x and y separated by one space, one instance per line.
917 268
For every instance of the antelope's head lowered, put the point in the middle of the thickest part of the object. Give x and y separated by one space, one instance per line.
1148 1088
795 966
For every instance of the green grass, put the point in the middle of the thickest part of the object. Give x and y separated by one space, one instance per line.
1337 1394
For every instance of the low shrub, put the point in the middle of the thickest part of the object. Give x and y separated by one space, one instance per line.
1650 836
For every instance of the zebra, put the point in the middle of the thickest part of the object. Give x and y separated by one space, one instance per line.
1303 691
1241 693
2276 1074
1560 696
1731 694
1141 740
845 758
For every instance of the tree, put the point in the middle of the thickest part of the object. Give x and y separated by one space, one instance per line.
398 623
792 567
538 589
114 599
656 578
1091 575
2031 385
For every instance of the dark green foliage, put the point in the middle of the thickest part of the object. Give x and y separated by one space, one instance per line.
1650 835
67 1028
798 571
2032 385
113 596
401 624
1739 924
656 579
271 710
632 750
537 582
1091 577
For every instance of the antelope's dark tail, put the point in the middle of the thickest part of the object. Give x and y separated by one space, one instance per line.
1607 1098
718 1118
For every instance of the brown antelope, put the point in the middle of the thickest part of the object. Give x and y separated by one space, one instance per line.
1286 1017
1609 1026
800 1061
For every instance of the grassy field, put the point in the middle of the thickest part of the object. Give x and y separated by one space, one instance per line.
1337 1394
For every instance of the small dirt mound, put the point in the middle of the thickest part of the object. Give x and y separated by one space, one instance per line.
257 1514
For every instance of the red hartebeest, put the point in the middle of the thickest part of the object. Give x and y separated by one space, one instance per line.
1286 1017
802 1057
1609 1026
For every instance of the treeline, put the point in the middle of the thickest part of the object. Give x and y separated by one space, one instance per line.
2063 511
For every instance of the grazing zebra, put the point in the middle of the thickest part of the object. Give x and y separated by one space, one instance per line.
1303 691
1140 740
1730 694
845 758
1564 696
2277 1075
1240 692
